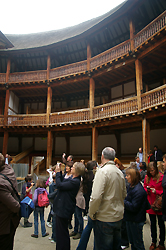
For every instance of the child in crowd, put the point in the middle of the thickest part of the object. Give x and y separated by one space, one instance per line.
40 184
27 191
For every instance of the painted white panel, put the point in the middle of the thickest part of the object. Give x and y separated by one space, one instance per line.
13 144
130 142
27 142
106 141
116 91
80 145
129 88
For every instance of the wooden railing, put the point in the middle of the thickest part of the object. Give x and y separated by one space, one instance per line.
121 107
151 29
2 77
70 69
72 116
111 54
40 75
153 98
1 120
26 120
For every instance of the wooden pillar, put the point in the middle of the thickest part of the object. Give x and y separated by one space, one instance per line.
48 67
94 144
49 149
132 30
138 69
118 139
8 70
67 138
6 107
91 96
5 143
145 139
49 101
88 56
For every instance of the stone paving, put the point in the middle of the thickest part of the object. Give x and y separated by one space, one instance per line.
24 241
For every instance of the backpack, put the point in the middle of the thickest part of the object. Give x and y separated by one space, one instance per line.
27 207
43 200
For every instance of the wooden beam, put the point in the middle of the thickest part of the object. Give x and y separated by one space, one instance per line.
49 149
132 30
94 144
91 96
48 67
49 101
8 70
6 107
145 139
88 56
138 69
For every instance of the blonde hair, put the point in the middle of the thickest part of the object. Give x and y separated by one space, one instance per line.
157 175
79 168
160 167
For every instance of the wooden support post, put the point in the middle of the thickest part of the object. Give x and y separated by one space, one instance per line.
5 143
8 70
48 67
118 140
132 30
91 96
6 107
49 149
49 101
145 139
88 56
138 69
94 144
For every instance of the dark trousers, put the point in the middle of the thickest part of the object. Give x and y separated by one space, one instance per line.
62 234
7 240
154 229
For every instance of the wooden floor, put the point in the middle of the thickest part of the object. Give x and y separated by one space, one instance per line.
24 241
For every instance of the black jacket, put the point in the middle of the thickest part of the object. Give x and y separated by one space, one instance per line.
136 204
65 202
164 197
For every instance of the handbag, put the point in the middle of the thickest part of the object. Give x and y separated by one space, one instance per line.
157 204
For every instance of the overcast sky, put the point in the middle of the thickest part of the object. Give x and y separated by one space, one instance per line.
22 17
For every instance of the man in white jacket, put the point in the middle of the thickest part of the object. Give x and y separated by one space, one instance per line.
106 205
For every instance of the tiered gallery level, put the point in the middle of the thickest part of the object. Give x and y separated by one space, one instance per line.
79 89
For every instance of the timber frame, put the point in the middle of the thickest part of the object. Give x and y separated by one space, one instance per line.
141 58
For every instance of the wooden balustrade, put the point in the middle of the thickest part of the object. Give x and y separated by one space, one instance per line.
2 77
26 120
117 108
153 98
69 69
1 120
151 29
29 76
111 54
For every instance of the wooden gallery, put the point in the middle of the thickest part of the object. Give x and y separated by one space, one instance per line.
82 88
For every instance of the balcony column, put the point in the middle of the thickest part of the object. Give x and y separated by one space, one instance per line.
8 70
48 67
88 56
5 143
94 144
49 149
145 139
49 101
138 69
6 106
91 96
132 30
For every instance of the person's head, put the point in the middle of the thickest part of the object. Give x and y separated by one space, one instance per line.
118 164
28 178
54 178
150 152
155 147
152 171
83 161
137 159
40 183
133 176
78 169
142 165
2 160
91 165
160 165
108 154
140 150
70 158
133 165
68 169
164 162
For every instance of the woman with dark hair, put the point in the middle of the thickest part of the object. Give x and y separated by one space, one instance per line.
153 187
136 204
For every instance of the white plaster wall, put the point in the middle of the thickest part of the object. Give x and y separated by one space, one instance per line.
80 145
130 142
26 143
106 141
13 144
13 103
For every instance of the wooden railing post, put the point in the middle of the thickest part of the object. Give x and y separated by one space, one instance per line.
8 70
145 139
48 67
91 96
132 30
138 69
88 56
94 144
49 149
49 101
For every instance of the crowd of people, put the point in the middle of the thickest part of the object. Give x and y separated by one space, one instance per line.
113 199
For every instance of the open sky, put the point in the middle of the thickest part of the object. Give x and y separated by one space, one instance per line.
32 16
